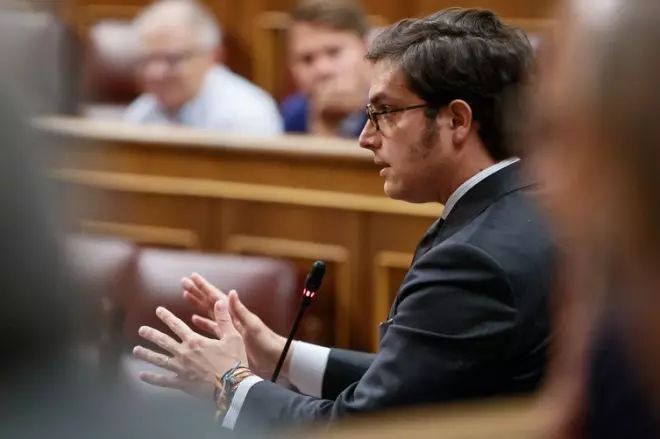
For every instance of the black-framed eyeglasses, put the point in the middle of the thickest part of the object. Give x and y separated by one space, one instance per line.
374 114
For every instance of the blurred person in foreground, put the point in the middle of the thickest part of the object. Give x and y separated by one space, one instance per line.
47 389
596 147
40 53
471 316
177 42
327 43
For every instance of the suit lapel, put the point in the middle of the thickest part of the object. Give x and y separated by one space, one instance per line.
479 198
470 206
427 241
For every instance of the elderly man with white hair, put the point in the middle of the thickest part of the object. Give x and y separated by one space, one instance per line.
177 43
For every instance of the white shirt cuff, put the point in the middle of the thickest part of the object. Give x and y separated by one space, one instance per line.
237 401
308 364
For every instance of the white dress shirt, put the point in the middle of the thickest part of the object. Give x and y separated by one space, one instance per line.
309 361
226 102
472 182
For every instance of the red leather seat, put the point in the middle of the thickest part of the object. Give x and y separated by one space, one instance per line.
131 282
110 60
103 270
266 286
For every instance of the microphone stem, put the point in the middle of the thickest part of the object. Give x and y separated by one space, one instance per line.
305 303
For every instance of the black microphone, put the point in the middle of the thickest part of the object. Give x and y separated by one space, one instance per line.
312 285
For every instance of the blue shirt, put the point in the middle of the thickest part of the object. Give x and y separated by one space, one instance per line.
294 110
226 102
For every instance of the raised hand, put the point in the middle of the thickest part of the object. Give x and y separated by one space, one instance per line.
196 360
263 345
201 294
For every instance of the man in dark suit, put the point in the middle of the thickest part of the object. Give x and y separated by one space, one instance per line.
471 317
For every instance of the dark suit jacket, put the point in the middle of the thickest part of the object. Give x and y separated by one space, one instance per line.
470 319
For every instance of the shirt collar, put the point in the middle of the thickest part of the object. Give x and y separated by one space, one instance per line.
472 182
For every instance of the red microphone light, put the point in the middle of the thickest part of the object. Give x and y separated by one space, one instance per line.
308 293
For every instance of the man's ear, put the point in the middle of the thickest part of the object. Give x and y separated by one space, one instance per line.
460 113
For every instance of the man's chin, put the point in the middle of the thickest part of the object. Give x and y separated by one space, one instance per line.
398 193
169 103
392 191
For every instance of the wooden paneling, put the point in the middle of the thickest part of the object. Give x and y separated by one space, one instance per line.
293 197
494 418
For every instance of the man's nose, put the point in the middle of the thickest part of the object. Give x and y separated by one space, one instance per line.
155 70
325 68
369 137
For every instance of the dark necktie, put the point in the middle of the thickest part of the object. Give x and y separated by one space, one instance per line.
427 241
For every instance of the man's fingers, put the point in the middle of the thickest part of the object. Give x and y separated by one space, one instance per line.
205 324
205 287
237 323
196 296
221 313
177 325
195 301
157 359
225 326
159 339
171 382
188 285
243 317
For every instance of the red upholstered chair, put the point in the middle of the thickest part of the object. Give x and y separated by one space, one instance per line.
109 82
267 286
103 270
129 282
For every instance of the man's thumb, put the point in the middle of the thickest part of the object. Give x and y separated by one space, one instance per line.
221 313
238 311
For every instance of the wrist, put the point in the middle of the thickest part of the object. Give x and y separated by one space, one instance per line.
226 386
277 346
286 367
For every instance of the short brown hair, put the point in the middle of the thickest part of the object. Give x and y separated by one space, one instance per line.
345 15
460 53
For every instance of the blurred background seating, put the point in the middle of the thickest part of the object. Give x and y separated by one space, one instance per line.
130 282
109 83
255 35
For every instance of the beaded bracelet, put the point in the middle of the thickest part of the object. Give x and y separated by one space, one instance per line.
225 389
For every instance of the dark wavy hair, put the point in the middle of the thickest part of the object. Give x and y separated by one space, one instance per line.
466 54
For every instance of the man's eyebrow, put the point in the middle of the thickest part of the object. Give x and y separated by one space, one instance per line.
377 98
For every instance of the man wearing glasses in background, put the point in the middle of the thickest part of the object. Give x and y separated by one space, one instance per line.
177 45
471 318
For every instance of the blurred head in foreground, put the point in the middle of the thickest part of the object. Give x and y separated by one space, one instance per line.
437 99
47 388
595 144
35 320
177 44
